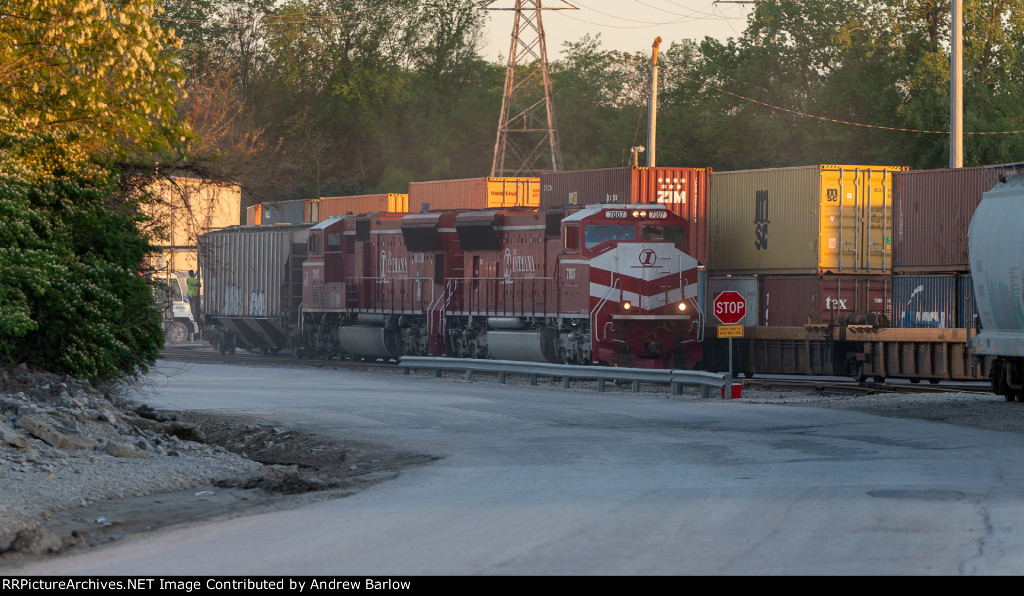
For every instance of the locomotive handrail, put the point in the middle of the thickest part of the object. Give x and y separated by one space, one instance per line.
675 378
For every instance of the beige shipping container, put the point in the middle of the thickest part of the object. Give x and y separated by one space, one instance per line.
474 193
318 210
803 220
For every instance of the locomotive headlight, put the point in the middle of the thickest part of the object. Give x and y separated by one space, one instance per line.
627 305
643 214
636 214
682 306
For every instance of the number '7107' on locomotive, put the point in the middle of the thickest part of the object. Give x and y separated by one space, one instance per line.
599 284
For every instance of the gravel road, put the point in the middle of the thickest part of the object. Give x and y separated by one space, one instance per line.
80 467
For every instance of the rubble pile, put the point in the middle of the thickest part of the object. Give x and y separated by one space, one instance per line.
65 443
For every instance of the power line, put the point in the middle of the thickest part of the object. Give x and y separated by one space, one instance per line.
834 120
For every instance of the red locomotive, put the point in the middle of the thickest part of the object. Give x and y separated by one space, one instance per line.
600 284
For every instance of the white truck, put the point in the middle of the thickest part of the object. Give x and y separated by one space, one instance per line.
172 298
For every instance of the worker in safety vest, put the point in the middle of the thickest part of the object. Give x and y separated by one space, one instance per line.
192 288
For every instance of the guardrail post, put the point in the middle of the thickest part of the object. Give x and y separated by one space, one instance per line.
636 386
469 375
565 382
437 373
406 369
600 385
501 377
533 379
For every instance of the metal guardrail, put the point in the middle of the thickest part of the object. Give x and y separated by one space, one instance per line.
676 378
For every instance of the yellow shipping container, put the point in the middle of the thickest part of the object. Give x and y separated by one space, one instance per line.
318 210
813 219
474 193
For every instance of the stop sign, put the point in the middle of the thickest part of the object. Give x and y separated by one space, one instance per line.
730 307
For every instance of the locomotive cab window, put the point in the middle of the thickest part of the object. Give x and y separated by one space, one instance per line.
334 242
673 234
314 244
570 237
596 235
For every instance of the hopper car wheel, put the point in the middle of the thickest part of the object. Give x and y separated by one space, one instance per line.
177 333
879 379
915 380
934 381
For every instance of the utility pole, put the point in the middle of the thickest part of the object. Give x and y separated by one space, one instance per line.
527 127
956 86
652 110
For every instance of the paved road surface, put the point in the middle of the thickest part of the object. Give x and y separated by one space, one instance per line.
535 480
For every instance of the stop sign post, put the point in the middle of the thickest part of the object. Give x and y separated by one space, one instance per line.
730 308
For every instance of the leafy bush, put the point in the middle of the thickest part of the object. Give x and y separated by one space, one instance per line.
71 296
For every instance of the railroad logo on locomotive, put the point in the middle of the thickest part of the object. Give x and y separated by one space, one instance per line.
519 264
392 265
648 258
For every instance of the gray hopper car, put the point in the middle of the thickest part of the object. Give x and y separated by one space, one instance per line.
252 281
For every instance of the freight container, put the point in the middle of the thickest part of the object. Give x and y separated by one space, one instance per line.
280 212
938 301
318 210
254 215
798 300
746 285
474 193
932 210
684 191
824 219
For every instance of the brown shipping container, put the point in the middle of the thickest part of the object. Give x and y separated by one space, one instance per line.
474 193
932 211
253 215
823 219
684 191
318 210
798 300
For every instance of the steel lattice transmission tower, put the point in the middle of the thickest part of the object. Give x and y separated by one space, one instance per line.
527 128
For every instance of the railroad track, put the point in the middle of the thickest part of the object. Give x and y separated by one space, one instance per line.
205 354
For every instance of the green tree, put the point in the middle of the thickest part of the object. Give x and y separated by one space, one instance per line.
872 72
94 69
88 94
72 298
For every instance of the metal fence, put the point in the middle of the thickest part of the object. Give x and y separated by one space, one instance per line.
675 378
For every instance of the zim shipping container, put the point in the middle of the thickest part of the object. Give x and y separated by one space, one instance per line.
824 219
318 210
474 193
933 210
684 191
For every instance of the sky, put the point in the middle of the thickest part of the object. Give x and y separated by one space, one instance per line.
625 25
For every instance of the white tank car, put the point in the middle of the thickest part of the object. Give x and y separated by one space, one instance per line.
996 251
